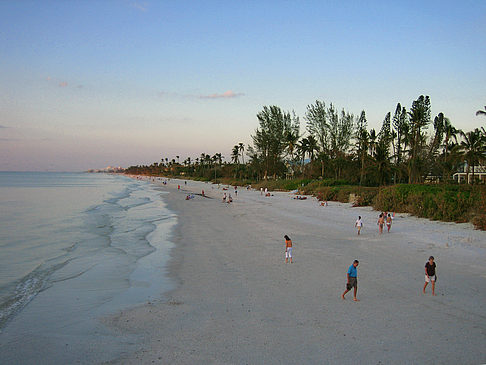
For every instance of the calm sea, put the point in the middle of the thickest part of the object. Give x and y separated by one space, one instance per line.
76 246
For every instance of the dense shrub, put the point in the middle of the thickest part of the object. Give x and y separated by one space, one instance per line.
450 203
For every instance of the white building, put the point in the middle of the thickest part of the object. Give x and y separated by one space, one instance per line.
479 174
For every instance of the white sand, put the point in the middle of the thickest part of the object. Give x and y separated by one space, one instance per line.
237 302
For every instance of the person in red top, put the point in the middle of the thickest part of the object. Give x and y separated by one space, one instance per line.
288 249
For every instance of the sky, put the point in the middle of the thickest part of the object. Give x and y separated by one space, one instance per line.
87 84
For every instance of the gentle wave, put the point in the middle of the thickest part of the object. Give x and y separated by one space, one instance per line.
117 230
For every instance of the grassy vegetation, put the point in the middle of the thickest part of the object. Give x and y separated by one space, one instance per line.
449 203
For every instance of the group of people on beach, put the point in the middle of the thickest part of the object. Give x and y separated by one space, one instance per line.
227 198
383 218
352 273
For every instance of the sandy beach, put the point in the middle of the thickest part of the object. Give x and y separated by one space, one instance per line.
237 302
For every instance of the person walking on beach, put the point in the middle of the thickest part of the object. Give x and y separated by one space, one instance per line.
389 222
430 275
288 249
352 280
359 224
224 197
381 223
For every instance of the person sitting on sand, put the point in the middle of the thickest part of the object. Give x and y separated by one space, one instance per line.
359 224
430 274
389 222
352 280
381 223
288 249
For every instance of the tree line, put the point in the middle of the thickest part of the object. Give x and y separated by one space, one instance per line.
412 146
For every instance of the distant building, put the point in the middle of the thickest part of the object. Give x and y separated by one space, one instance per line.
479 174
108 169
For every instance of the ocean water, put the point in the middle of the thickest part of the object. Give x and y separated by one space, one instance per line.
74 247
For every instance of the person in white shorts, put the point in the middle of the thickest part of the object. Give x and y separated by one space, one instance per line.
288 249
430 275
359 224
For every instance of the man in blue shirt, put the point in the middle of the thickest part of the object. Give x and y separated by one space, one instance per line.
352 280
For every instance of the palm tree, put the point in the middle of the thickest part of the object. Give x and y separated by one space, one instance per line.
481 112
202 159
291 139
372 142
312 147
450 132
362 137
303 148
241 148
473 149
235 154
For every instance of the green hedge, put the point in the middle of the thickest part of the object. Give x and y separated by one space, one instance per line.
450 203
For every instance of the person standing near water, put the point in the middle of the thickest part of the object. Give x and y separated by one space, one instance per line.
430 275
389 222
359 224
381 223
352 280
288 249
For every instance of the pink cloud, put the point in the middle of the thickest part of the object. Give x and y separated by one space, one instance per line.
63 84
226 95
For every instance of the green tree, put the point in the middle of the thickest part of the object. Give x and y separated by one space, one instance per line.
473 150
419 119
449 133
241 149
318 127
269 139
382 152
341 128
400 127
235 154
362 140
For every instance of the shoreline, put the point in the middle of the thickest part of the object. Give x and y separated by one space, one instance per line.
235 301
117 262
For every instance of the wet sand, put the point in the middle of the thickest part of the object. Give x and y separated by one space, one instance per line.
237 302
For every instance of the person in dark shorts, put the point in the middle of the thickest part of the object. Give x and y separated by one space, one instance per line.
352 280
430 275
